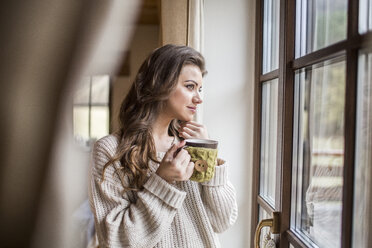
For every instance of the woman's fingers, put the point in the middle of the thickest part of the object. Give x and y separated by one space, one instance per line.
182 157
189 169
193 129
186 135
176 166
170 154
192 132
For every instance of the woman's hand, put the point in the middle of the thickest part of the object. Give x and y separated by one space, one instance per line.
193 130
176 166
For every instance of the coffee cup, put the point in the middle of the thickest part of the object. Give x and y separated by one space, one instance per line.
203 153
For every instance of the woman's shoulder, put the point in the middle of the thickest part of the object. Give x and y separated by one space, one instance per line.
104 149
106 146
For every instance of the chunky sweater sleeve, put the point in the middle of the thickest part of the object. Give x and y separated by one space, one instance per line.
121 219
219 198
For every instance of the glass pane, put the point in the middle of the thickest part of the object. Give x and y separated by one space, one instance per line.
363 155
365 16
318 152
81 123
270 41
319 23
269 125
99 122
100 89
262 214
82 92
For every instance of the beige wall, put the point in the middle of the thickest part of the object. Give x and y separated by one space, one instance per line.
174 22
229 91
144 40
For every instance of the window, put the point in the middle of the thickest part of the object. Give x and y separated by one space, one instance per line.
319 23
318 149
91 111
269 120
313 121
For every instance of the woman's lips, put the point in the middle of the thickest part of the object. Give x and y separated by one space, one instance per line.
193 109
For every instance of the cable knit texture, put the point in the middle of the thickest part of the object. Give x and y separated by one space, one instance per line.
183 214
205 154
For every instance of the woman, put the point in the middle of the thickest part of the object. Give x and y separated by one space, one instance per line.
140 194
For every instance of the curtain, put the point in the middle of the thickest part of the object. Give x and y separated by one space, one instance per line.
182 23
195 37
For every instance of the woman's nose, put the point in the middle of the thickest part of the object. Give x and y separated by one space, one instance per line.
197 98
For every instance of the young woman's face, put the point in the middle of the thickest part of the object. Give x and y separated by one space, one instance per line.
185 98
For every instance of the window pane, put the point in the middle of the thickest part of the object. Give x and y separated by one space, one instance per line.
99 122
319 23
100 89
82 92
81 123
270 49
365 16
318 149
269 123
363 155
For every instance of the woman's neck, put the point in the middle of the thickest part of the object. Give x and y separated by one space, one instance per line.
160 128
160 134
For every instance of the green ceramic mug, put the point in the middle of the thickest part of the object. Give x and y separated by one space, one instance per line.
203 153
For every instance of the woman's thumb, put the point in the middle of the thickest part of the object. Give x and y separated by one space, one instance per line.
176 148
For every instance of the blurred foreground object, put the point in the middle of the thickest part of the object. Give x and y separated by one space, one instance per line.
46 47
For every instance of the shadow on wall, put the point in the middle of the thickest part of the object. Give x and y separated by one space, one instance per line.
46 46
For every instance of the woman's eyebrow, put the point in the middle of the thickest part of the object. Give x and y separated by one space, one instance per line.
190 80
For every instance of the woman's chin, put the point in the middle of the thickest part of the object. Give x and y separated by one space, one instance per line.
186 119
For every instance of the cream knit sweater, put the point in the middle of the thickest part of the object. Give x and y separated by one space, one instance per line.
183 214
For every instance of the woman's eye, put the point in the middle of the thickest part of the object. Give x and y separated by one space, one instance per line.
200 90
190 86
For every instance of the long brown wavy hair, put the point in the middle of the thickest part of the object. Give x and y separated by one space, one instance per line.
155 80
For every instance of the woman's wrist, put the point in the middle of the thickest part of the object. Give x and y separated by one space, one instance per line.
163 177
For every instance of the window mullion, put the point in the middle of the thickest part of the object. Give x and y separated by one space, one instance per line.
350 124
285 129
